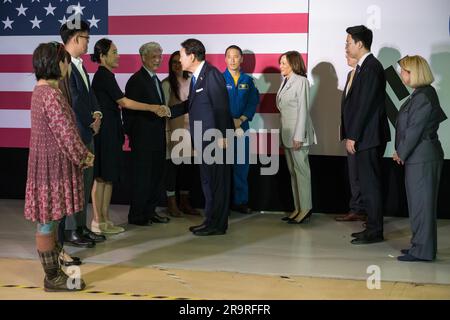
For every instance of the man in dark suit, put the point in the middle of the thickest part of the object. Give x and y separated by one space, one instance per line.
365 128
146 132
78 91
357 211
208 106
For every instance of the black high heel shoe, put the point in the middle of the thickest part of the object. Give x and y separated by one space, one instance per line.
288 218
307 217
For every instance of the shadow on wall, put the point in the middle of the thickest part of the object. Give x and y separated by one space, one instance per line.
249 63
325 109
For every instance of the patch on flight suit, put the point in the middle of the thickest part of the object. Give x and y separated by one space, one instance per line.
229 87
243 86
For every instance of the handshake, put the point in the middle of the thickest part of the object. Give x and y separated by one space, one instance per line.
163 111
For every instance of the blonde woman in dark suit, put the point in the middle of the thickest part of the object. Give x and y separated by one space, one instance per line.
418 148
297 131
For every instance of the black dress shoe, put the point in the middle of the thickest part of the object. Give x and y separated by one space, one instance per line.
142 223
73 238
159 219
209 232
242 208
197 227
367 240
359 234
306 218
404 251
88 234
409 258
75 262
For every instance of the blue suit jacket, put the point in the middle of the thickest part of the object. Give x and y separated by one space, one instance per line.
208 103
84 103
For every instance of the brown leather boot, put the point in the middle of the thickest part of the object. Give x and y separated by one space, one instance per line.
186 207
172 208
55 279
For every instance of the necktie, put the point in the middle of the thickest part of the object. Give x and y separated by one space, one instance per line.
350 81
83 74
155 78
193 84
357 68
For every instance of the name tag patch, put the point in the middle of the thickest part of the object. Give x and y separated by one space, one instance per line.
199 90
243 86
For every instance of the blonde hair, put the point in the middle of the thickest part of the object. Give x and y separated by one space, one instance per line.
419 70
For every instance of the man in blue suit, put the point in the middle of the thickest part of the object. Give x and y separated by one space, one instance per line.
244 97
207 105
78 91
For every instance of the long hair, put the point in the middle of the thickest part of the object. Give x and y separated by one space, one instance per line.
173 81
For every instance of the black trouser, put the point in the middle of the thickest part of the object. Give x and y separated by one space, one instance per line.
216 184
147 174
356 204
369 173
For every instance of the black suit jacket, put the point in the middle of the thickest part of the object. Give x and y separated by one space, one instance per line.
363 111
84 103
146 131
207 103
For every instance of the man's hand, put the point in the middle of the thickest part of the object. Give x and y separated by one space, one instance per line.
237 123
96 125
350 146
88 161
223 143
296 145
397 159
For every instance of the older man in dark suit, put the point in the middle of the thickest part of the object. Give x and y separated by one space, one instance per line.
208 106
366 129
146 132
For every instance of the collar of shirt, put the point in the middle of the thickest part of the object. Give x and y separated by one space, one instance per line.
197 71
361 61
77 61
150 72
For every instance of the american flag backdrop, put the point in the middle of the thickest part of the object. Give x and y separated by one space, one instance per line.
262 28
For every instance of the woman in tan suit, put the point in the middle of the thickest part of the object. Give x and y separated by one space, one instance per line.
297 131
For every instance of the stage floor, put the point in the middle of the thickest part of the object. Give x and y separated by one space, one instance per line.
260 257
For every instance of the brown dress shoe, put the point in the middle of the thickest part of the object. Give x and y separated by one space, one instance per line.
352 216
172 208
185 206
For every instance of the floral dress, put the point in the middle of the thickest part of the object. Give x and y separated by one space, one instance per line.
54 185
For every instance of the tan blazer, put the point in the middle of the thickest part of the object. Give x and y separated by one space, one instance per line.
293 104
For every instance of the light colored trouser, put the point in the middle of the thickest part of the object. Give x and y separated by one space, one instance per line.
298 165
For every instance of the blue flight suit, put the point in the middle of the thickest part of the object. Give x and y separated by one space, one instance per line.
243 100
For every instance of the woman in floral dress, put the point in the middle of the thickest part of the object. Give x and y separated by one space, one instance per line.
57 157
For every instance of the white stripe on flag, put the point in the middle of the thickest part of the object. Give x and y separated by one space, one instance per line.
15 119
21 119
183 7
265 82
214 43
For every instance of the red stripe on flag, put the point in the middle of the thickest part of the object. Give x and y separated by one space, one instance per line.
15 100
21 101
20 138
14 138
209 24
267 103
130 63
